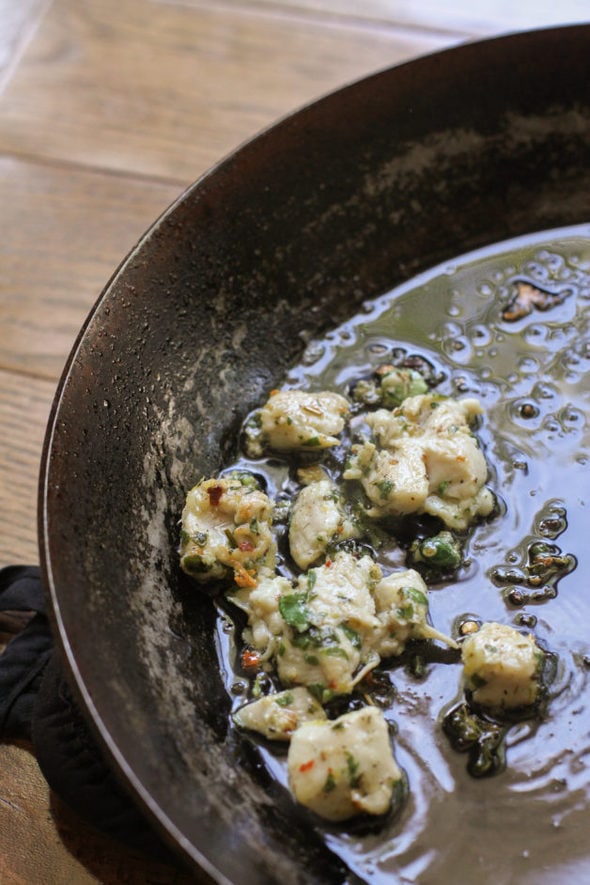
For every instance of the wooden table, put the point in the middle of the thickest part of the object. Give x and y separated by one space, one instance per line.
108 109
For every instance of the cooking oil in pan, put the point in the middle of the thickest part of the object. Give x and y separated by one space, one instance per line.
510 325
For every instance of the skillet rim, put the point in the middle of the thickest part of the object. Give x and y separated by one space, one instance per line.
170 831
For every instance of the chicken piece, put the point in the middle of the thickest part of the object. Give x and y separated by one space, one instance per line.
344 767
402 608
327 618
458 515
298 420
502 667
318 517
424 459
276 716
394 480
329 630
226 530
261 605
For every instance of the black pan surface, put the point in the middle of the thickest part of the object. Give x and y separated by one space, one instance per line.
282 240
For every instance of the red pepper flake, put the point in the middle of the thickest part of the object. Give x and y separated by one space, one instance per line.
307 766
246 546
250 659
328 563
215 493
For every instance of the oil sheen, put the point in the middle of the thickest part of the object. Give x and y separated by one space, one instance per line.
529 367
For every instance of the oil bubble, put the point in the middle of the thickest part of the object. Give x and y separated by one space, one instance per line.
528 366
544 391
239 687
481 335
313 352
535 334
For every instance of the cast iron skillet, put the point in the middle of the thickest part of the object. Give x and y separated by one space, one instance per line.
335 204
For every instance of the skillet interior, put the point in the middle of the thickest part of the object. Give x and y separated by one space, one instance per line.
284 239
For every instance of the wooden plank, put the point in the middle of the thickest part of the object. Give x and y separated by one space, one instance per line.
167 90
463 16
62 233
24 409
19 20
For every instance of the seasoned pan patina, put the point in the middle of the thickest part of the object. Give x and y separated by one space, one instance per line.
336 204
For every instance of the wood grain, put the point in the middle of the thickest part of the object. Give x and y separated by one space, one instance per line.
167 90
24 408
63 232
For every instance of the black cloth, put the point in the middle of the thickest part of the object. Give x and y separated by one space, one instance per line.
37 705
26 656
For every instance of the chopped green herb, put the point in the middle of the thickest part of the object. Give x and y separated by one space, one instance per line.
334 651
283 700
193 564
330 782
440 551
406 612
483 740
255 421
304 640
294 611
244 479
352 635
415 595
385 486
320 692
353 770
314 637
